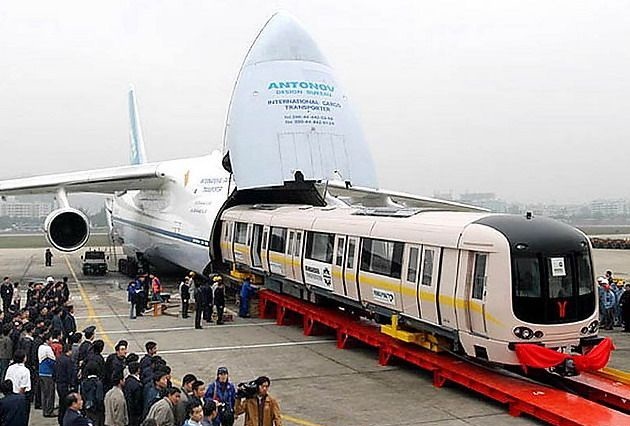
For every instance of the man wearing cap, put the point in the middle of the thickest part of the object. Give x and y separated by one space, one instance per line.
222 391
86 346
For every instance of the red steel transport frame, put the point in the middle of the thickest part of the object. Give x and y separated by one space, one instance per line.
601 388
551 405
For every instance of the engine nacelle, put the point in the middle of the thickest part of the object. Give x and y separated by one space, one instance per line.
67 229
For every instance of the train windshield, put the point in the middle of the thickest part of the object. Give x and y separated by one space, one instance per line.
553 289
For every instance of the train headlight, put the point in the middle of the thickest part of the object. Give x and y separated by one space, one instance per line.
593 326
538 334
523 333
584 330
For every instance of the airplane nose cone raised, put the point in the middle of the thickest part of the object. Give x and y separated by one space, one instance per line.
284 39
289 118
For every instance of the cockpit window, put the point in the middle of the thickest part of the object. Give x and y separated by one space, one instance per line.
528 277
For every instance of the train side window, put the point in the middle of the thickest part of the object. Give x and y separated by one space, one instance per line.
240 235
479 276
278 239
382 257
351 248
264 240
298 240
319 247
225 231
427 267
230 230
341 242
412 268
290 245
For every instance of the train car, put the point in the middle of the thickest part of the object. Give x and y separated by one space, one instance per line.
483 282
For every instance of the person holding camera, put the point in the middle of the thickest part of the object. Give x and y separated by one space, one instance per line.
222 391
259 408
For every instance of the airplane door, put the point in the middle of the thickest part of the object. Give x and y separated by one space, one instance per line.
350 268
296 260
427 290
257 234
409 290
476 293
337 267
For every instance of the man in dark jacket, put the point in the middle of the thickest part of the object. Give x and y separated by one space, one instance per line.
29 344
146 370
13 407
207 301
133 394
115 363
219 299
93 396
65 378
6 293
69 323
95 360
73 416
86 346
184 294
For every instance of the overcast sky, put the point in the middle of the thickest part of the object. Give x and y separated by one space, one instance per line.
530 100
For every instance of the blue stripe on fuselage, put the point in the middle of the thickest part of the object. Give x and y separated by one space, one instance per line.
193 240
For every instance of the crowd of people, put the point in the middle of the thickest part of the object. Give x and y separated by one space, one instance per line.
46 363
614 302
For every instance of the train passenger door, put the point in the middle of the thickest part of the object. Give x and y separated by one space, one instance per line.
256 240
288 270
264 253
337 267
428 288
476 293
350 268
296 256
409 285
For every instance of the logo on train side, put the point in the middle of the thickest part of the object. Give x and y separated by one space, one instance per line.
383 296
326 277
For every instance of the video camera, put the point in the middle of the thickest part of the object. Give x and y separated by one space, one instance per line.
247 389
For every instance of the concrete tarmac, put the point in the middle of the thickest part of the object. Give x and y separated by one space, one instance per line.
316 383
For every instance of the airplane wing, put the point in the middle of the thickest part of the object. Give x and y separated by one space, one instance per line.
105 181
369 197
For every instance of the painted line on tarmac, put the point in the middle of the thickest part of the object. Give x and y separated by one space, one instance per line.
232 348
103 316
298 421
190 327
90 308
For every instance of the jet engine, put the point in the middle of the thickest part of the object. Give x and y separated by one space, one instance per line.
67 229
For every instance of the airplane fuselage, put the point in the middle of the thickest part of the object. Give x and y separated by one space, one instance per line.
175 222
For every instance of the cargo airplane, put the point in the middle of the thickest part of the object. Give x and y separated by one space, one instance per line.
291 136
